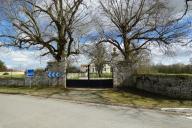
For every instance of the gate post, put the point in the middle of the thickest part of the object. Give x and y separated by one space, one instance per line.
122 74
88 72
60 68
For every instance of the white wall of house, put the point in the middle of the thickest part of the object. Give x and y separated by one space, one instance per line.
106 68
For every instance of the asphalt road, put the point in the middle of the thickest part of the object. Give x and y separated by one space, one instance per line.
31 112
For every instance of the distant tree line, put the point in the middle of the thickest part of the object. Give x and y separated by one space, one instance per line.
173 69
167 69
2 66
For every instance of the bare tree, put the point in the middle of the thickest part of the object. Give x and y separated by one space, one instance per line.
187 7
137 24
48 25
98 56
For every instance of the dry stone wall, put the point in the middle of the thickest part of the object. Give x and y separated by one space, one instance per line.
12 82
174 86
37 81
41 79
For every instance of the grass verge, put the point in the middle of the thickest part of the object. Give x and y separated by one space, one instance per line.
137 98
46 92
133 98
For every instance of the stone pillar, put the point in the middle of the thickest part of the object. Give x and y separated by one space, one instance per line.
56 67
63 66
123 74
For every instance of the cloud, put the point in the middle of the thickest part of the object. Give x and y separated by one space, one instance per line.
181 54
23 59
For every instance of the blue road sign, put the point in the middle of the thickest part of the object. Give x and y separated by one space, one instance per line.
30 73
54 74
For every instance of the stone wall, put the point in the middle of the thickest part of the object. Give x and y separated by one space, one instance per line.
173 86
37 81
12 82
42 80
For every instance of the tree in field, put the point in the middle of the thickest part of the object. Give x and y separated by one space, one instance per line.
2 66
98 56
132 26
52 26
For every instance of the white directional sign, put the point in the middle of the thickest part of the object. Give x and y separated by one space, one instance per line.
54 74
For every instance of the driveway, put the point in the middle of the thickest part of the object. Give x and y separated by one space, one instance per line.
31 112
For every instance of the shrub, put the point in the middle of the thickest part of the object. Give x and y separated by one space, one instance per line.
39 71
2 66
6 73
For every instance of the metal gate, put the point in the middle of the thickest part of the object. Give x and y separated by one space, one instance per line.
90 79
104 83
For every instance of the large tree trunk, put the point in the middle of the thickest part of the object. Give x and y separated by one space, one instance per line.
99 73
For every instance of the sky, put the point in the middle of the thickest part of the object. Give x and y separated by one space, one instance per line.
27 59
182 54
23 59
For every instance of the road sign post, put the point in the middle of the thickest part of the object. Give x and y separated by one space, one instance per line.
30 73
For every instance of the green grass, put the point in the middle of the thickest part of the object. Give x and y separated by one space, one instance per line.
12 75
164 74
104 75
46 92
143 99
74 78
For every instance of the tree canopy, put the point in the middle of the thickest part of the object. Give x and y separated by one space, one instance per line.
2 66
51 26
133 26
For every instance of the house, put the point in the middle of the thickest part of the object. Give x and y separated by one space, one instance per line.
106 68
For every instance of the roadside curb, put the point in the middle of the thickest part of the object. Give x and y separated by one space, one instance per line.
178 110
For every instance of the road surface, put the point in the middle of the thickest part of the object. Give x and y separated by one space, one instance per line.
31 112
